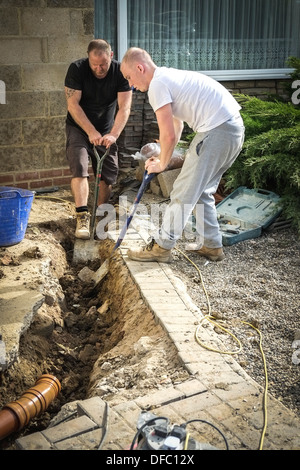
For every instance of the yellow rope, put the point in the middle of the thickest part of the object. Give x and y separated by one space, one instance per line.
265 406
211 319
186 442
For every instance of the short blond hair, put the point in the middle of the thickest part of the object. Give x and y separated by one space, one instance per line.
135 55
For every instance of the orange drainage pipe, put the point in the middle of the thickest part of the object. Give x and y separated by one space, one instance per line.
17 414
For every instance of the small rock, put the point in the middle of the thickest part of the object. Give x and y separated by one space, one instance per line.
6 260
49 300
34 252
104 308
222 386
86 353
106 366
297 335
143 345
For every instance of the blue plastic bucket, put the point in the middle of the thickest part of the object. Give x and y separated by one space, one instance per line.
15 207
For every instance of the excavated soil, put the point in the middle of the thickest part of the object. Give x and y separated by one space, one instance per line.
100 342
106 342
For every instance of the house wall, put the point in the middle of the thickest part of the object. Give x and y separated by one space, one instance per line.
38 40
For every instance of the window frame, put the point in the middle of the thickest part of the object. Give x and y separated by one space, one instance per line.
220 75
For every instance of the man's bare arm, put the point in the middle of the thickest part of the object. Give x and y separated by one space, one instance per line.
178 127
170 130
73 99
124 107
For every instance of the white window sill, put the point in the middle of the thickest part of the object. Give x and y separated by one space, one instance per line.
255 74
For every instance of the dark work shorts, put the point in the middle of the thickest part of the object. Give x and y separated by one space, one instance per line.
80 152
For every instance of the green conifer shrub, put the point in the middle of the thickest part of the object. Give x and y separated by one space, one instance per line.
270 158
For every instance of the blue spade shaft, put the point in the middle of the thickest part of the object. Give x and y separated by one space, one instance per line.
146 180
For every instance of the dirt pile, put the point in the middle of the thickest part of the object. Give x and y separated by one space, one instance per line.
96 342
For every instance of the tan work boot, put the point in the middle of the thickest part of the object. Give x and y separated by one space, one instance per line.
150 252
213 254
83 226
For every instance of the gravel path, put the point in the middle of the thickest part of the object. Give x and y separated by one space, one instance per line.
258 282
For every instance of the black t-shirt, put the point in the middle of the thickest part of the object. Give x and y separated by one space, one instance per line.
99 96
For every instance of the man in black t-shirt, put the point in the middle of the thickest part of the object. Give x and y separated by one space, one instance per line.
99 102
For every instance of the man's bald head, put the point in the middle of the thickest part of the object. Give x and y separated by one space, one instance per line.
138 68
135 55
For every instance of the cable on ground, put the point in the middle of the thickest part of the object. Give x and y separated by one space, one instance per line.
209 317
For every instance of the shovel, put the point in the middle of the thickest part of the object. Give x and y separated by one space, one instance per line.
89 276
85 250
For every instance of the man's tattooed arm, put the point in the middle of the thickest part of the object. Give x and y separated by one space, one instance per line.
69 92
73 103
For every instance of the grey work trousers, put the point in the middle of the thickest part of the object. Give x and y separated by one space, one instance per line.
210 154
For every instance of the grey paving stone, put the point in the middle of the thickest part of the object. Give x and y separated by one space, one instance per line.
69 429
35 441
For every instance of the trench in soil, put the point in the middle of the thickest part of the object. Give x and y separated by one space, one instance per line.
101 342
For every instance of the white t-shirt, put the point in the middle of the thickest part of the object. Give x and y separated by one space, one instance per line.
200 101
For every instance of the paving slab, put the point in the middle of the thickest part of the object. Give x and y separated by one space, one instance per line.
19 298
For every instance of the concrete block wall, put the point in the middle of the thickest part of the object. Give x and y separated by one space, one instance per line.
38 40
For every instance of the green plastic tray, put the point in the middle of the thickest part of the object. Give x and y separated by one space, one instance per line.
245 213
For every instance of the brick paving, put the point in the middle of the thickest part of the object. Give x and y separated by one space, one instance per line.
218 391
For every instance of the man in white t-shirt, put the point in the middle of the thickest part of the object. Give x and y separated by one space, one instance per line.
179 96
